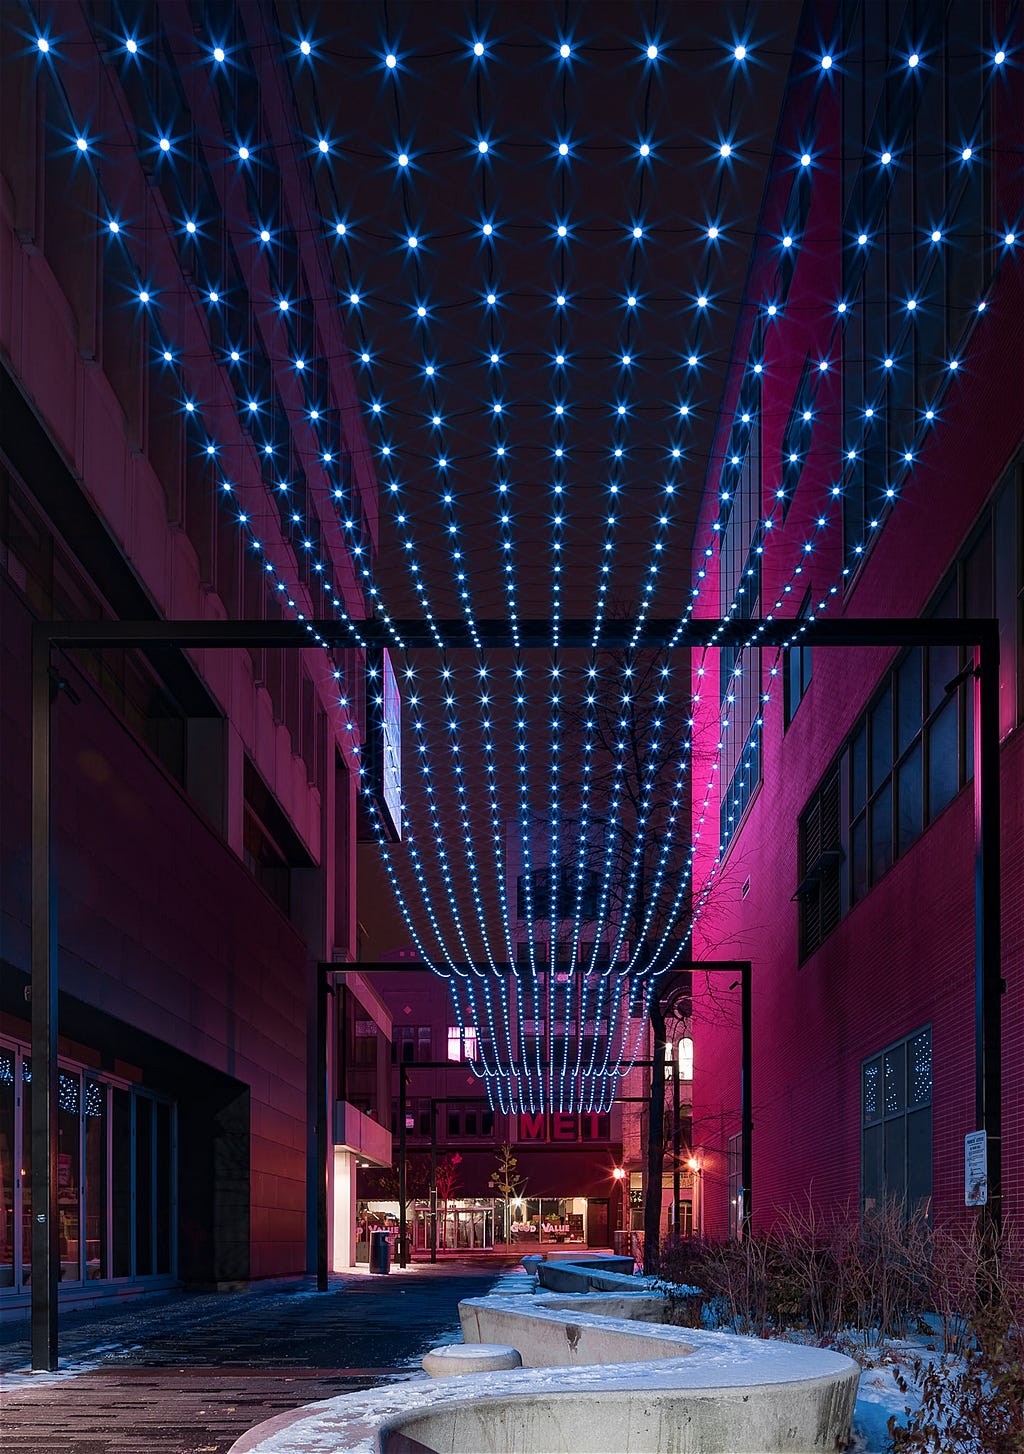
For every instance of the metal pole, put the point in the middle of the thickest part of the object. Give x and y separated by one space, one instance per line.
746 1102
323 1121
675 1141
433 1181
402 1082
989 987
45 1223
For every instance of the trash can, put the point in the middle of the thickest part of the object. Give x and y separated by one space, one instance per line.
621 1237
380 1252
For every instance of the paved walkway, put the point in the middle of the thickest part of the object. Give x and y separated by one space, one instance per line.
187 1373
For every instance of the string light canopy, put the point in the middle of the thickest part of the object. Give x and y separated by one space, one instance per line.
524 273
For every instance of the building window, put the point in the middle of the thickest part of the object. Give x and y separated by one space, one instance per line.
797 678
896 1126
818 891
470 1118
911 751
797 666
410 1043
734 1155
462 1042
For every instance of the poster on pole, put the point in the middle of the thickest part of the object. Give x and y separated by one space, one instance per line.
976 1169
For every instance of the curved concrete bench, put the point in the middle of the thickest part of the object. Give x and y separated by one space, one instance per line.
680 1389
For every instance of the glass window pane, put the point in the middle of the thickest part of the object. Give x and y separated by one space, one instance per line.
943 764
164 1187
859 860
896 1159
872 1171
143 1186
7 1168
121 1183
919 1159
793 681
872 1088
26 1169
908 715
894 1065
1006 537
911 799
69 1175
968 739
880 814
943 665
859 770
919 1069
881 740
943 661
96 1251
978 576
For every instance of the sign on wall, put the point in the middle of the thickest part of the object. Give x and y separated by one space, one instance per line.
384 739
564 1126
976 1169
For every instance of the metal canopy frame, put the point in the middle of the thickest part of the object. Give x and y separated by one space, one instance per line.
979 636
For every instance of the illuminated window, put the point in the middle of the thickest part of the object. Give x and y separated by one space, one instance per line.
896 1126
462 1042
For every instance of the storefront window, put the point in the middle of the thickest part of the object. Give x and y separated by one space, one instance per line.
26 1170
69 1176
143 1187
8 1168
121 1183
96 1201
116 1184
164 1186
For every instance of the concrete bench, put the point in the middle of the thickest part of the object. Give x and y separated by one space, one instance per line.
601 1375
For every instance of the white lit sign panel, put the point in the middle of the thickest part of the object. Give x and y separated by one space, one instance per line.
391 747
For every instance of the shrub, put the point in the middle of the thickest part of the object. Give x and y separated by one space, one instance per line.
973 1406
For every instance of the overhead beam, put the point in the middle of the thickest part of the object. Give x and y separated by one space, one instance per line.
532 635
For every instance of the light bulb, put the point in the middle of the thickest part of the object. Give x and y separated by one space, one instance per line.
390 61
740 53
826 63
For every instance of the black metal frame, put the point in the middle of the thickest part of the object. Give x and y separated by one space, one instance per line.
982 636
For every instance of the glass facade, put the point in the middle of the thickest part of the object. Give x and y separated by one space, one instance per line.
116 1176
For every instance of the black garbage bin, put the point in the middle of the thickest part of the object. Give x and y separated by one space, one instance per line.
380 1252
